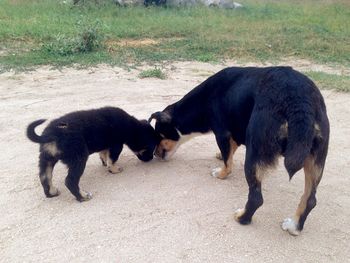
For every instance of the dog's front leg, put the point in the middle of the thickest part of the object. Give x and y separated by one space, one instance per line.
227 148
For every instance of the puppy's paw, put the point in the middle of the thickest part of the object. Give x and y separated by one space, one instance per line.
54 192
114 169
219 173
291 226
218 156
85 196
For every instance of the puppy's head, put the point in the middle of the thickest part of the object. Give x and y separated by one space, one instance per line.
170 136
146 143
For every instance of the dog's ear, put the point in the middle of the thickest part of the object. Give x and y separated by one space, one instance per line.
161 116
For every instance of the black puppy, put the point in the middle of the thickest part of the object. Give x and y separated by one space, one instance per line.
73 137
272 111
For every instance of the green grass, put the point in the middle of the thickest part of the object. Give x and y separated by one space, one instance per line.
152 73
330 81
37 32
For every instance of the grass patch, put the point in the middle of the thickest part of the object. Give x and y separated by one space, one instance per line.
330 81
152 73
36 32
88 40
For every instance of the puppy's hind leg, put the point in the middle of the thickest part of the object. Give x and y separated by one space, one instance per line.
46 165
114 153
75 170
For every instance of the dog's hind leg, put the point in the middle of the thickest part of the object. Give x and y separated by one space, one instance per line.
227 147
114 153
75 170
261 153
46 165
254 174
313 174
313 170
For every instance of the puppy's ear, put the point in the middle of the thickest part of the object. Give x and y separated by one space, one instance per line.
161 116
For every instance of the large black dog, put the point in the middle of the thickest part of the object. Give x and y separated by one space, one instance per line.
73 137
273 111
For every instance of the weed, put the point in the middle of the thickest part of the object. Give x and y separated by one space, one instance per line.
88 40
152 73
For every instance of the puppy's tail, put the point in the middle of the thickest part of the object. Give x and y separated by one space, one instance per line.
33 136
301 132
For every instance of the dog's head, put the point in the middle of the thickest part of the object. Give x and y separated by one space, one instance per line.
170 136
147 141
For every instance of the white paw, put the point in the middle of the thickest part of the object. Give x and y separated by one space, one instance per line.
291 226
238 213
115 169
216 172
54 191
86 196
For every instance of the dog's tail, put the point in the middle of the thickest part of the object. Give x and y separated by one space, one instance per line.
33 136
301 133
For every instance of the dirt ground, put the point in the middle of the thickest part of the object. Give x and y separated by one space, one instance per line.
160 211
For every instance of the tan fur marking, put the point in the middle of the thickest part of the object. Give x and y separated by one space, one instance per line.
226 170
113 167
260 172
283 131
51 148
104 155
312 173
167 145
48 176
317 130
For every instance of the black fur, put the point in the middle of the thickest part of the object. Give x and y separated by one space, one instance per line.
73 137
250 105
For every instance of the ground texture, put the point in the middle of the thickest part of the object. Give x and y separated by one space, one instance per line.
160 211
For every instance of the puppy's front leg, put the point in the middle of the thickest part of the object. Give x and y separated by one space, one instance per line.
112 159
104 156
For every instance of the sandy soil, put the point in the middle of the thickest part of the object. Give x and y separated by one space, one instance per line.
160 211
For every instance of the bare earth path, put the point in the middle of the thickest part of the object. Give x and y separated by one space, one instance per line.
159 211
